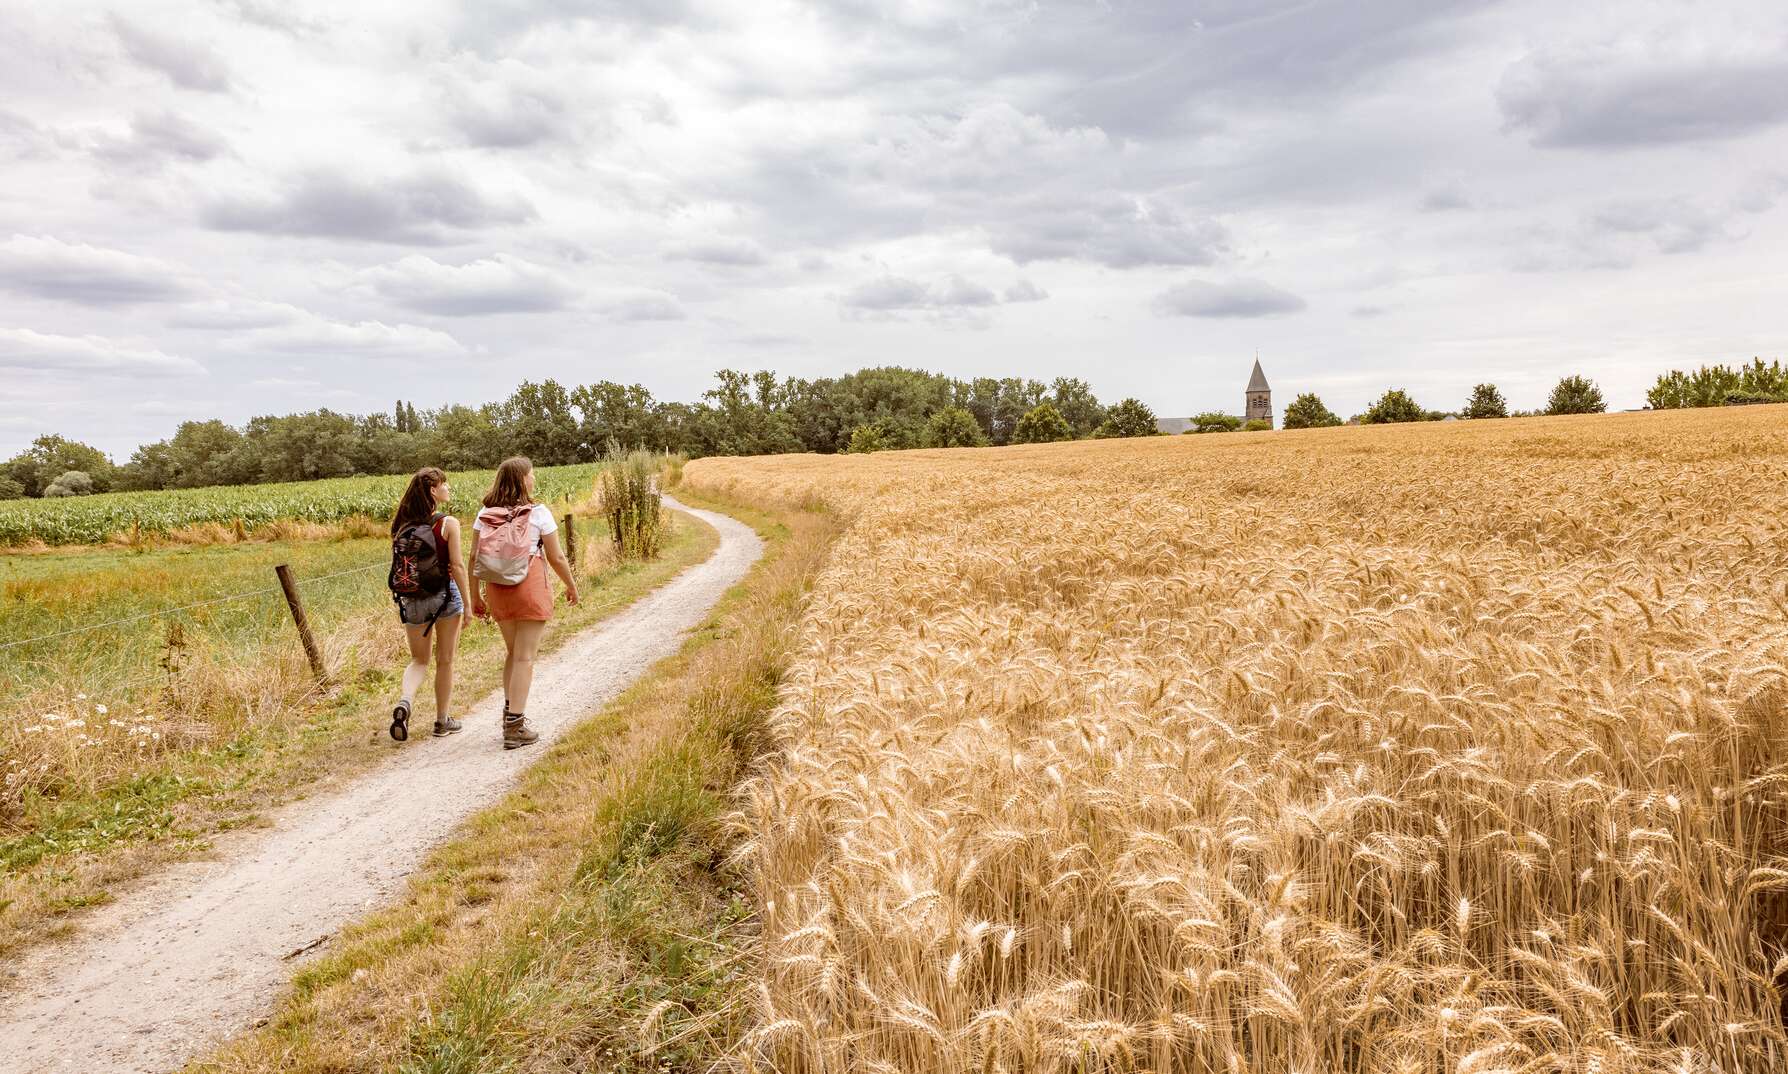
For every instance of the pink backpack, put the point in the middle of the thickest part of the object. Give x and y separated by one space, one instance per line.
504 545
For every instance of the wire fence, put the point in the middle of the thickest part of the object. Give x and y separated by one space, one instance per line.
177 608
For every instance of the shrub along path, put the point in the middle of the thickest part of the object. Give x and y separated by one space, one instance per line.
202 950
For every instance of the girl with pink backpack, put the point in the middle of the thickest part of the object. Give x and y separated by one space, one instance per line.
513 541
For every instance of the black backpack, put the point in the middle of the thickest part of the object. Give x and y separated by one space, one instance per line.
419 560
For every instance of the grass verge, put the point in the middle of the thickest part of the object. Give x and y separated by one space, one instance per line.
60 854
588 921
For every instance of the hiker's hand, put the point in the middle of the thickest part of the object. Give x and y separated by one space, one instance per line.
478 610
571 596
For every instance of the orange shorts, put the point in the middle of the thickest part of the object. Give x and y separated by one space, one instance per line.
530 600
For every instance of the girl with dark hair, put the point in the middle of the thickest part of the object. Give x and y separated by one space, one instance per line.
513 541
427 578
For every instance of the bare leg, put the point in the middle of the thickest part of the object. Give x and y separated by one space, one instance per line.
446 642
418 669
524 646
508 629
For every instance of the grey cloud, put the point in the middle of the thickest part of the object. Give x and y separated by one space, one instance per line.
952 300
497 284
89 275
721 251
1109 229
769 340
1035 192
19 137
274 15
156 137
187 63
1025 291
506 115
1153 65
1761 194
490 23
1238 298
1631 94
420 210
23 350
957 291
1675 226
645 306
888 293
1445 199
1367 312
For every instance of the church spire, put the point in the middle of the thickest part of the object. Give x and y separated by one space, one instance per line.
1257 382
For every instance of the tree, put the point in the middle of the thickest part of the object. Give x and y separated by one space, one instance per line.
1256 425
1074 399
1307 411
954 427
1042 424
49 457
1486 402
1717 385
867 438
72 483
1576 395
10 489
1130 417
1393 407
1212 421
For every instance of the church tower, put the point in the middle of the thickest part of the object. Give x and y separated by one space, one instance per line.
1260 397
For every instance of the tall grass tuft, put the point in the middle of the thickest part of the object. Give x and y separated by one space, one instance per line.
633 504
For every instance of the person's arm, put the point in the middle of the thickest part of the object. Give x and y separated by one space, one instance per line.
475 593
561 566
455 565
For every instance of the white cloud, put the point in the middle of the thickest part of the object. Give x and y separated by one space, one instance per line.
313 335
48 267
23 350
234 314
500 283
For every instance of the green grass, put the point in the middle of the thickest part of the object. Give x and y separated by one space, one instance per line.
77 591
586 922
64 844
104 517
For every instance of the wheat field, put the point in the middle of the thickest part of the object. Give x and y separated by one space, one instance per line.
1434 748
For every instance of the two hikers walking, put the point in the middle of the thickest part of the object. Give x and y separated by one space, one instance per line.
513 541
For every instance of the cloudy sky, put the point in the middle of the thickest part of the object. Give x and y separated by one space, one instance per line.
232 207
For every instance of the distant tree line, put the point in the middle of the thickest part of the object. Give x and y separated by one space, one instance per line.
1572 395
1718 385
743 414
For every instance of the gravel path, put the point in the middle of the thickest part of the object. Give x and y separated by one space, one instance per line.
202 950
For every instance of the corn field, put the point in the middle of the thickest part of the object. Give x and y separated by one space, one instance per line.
127 515
1432 748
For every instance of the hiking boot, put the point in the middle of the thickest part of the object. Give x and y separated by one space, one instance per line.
445 726
517 733
400 721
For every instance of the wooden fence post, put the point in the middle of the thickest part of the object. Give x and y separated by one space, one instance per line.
570 529
302 623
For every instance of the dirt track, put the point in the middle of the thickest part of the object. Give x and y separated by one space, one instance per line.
202 950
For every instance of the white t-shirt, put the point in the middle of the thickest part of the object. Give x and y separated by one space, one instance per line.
540 523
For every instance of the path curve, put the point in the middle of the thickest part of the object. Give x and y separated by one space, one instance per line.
198 953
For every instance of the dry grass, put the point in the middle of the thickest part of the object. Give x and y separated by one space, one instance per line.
97 788
1423 749
583 923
